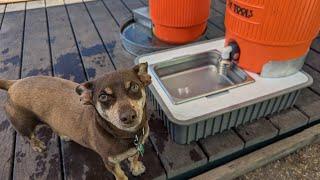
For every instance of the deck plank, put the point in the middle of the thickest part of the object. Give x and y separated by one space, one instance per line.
10 63
213 32
111 38
217 19
309 103
36 61
289 120
176 159
222 145
96 63
79 162
219 6
119 11
316 44
257 132
65 56
2 9
93 53
67 64
316 78
313 60
133 4
103 20
145 2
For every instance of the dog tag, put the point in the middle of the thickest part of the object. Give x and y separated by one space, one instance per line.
139 146
140 149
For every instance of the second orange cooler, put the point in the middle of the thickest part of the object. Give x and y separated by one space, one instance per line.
179 21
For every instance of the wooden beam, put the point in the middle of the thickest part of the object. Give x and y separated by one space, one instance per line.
263 156
13 1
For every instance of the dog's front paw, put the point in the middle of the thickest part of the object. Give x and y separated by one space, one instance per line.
122 178
137 168
38 145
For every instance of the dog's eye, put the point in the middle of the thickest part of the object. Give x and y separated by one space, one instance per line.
103 98
134 88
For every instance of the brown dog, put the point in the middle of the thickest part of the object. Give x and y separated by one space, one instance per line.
110 117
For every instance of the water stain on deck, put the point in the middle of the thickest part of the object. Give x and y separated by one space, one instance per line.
75 160
91 72
171 164
35 72
54 166
159 132
52 40
5 64
19 156
40 165
4 69
110 47
94 50
5 51
68 66
98 61
4 125
45 134
15 60
194 155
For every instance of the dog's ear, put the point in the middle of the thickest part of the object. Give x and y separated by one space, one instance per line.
142 72
84 90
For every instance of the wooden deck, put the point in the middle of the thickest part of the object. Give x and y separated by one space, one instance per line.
79 41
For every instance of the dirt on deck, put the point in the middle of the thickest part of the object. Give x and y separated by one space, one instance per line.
303 164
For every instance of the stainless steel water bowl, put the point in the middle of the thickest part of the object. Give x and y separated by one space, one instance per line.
195 76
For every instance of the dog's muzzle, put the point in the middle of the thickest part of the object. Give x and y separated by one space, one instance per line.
127 115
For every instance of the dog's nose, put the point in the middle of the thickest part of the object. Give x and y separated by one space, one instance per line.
128 116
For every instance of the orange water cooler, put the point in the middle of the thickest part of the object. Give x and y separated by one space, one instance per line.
179 21
273 36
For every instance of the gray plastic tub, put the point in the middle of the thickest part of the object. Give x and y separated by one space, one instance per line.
214 113
184 134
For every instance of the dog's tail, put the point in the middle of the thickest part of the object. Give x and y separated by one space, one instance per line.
6 84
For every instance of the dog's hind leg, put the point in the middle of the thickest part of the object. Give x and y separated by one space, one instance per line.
25 123
136 166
